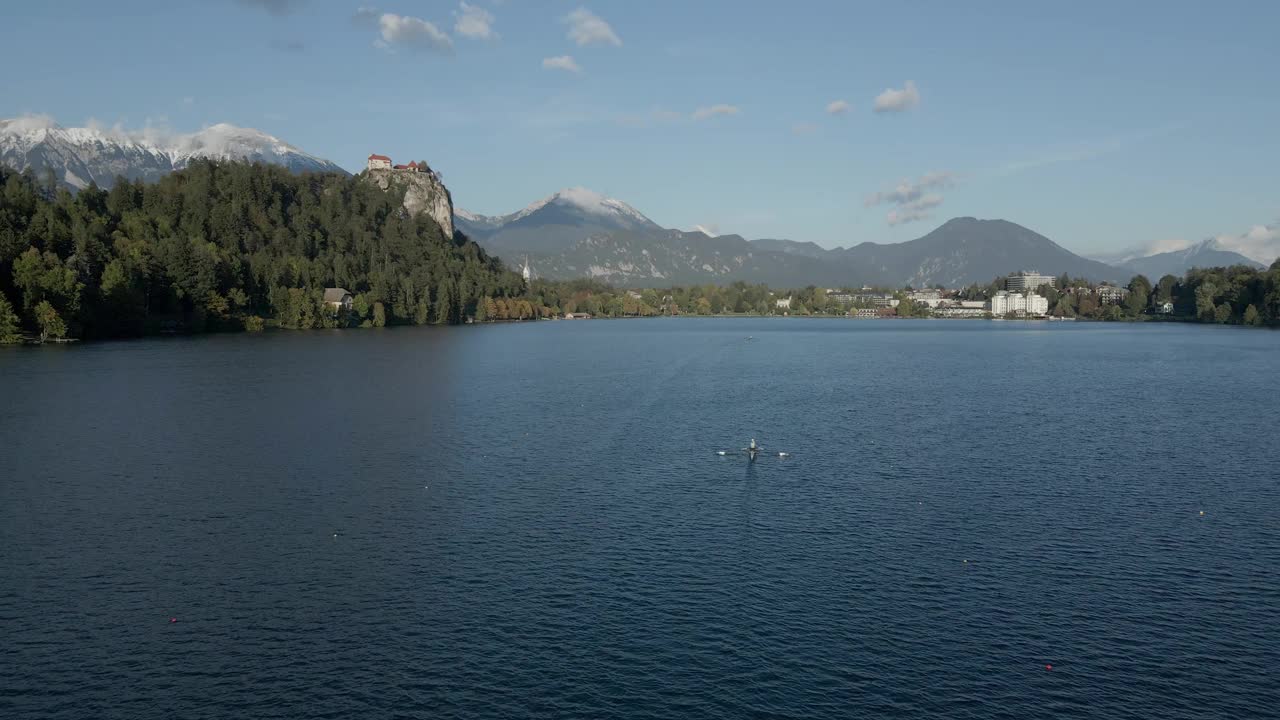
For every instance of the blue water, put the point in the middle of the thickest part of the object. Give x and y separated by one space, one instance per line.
531 521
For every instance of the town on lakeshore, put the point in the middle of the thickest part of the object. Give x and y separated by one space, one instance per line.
1025 295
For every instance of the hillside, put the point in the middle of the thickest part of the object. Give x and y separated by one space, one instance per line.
967 250
673 257
227 246
578 233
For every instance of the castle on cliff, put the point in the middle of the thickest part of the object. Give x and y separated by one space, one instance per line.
382 162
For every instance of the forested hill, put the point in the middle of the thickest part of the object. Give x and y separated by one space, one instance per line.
226 245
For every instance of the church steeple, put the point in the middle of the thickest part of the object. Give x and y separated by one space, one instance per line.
528 275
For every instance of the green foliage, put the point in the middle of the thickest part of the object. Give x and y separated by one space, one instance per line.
1251 316
10 330
218 243
49 322
254 324
1139 296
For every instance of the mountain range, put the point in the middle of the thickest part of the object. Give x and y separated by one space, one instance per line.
1203 254
79 156
577 232
580 233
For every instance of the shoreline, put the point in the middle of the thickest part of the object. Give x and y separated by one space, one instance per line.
58 342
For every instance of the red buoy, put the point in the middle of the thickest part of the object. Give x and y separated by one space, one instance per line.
173 620
1048 667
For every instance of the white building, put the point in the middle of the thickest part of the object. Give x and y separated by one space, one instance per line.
876 299
1111 293
337 298
379 162
932 298
783 303
1003 303
1027 280
961 308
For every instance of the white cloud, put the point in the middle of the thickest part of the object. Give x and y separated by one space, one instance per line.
804 128
837 107
1260 243
1167 245
474 22
912 199
892 100
914 210
708 229
411 32
587 28
907 190
710 111
561 62
28 122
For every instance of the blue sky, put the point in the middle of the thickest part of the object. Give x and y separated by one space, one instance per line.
1102 125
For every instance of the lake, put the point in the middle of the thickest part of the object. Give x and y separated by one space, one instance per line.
531 521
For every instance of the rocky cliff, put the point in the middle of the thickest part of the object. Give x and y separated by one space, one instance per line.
423 193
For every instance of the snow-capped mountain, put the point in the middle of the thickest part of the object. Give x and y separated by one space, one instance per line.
79 156
554 223
1205 254
577 232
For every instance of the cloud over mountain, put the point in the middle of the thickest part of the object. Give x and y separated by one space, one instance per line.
1260 242
911 199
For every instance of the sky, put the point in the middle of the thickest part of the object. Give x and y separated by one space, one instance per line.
1102 125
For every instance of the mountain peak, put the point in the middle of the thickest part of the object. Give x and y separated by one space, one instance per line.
80 155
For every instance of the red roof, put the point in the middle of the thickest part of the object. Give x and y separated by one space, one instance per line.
413 164
380 157
399 167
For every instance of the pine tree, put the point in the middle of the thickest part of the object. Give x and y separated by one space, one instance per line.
444 304
9 327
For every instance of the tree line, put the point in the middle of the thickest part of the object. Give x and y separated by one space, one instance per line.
228 246
1238 295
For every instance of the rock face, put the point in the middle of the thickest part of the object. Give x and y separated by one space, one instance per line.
423 193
